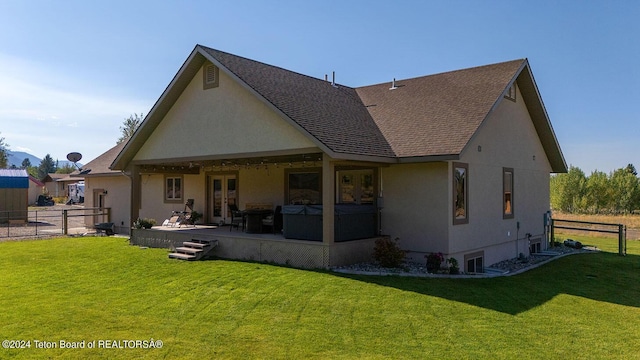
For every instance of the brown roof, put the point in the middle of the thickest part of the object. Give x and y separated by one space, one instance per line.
437 115
424 118
334 115
100 165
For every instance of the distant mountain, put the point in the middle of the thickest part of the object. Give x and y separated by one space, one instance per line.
17 157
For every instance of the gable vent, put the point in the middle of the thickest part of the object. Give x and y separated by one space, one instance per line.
210 77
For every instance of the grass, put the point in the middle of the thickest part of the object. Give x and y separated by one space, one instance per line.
74 289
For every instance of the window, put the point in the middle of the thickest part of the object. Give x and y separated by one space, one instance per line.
511 93
303 187
355 187
535 246
210 77
507 193
460 193
474 263
173 188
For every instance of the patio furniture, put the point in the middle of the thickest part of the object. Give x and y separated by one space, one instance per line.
254 219
274 221
237 217
178 218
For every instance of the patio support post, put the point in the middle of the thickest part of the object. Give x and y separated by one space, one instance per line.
135 194
328 199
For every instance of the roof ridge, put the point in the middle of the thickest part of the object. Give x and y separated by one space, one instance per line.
448 72
269 65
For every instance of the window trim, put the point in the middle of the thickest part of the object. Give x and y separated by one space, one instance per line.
454 185
505 214
473 256
173 200
357 186
288 172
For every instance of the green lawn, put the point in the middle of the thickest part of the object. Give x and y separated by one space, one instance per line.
96 289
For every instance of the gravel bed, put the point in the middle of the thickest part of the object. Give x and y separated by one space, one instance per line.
506 267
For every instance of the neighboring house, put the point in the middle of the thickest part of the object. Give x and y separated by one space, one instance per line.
457 162
36 188
56 184
106 188
14 194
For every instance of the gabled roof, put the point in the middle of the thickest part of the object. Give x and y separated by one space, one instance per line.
425 118
100 165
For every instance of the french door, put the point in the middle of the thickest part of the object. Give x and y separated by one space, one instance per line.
223 192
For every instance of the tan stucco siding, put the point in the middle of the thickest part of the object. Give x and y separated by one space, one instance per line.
261 186
223 120
507 139
415 199
118 198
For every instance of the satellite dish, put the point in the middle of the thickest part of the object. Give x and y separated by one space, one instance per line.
74 157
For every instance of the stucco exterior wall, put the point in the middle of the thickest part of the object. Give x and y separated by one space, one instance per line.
118 198
506 139
223 120
415 197
261 186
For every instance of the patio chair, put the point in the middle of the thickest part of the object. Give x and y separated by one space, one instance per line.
274 220
179 218
237 217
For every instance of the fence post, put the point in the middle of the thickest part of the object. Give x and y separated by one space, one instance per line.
552 239
621 240
65 229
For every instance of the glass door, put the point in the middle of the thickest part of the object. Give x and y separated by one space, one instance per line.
223 192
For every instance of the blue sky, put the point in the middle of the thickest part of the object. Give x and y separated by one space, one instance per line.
72 71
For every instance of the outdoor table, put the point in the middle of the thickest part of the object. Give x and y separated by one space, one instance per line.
254 219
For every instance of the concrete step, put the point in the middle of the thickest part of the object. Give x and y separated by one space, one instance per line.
181 256
188 250
194 244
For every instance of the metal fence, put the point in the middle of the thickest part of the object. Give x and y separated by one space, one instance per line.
54 221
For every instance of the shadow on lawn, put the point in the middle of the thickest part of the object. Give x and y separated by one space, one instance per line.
600 277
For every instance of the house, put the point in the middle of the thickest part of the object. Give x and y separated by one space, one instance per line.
14 195
56 184
106 188
456 162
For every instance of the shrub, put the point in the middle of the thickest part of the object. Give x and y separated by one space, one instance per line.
387 253
454 269
434 260
144 223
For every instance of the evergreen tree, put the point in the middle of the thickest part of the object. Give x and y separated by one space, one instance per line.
26 163
3 153
46 166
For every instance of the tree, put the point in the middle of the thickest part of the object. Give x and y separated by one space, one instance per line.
631 169
568 190
625 191
26 163
66 169
46 166
3 153
598 193
129 126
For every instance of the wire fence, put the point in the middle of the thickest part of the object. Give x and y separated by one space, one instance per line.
52 221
